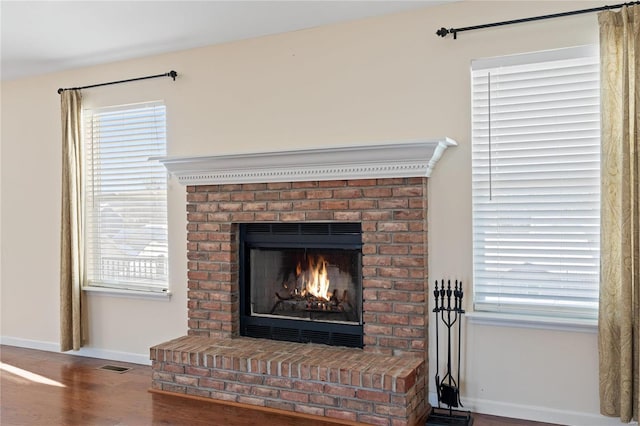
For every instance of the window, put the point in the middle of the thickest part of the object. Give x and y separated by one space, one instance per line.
126 198
536 183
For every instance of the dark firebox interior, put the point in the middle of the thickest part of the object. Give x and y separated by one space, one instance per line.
302 282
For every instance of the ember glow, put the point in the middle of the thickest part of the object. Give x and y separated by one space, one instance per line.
314 278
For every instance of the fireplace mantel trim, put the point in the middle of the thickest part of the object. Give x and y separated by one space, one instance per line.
390 160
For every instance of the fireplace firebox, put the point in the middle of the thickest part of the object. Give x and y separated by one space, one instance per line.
302 282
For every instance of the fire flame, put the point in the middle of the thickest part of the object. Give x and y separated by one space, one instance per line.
314 278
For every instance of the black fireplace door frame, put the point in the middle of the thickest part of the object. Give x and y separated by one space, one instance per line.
309 235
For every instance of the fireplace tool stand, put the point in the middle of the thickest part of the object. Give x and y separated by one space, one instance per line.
448 388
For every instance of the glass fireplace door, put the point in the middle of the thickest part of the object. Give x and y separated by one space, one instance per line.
306 284
302 286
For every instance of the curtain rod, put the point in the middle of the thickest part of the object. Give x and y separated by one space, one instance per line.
171 74
442 32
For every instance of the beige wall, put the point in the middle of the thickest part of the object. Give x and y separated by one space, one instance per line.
381 79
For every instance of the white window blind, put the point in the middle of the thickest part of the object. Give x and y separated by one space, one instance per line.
536 183
126 197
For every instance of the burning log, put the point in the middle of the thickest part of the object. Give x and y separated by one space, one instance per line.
289 297
311 303
307 290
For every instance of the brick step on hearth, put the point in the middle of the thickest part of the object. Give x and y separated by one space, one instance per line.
337 382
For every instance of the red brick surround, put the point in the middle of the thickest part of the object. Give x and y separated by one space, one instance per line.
393 216
393 213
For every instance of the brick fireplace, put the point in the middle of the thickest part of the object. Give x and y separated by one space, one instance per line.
382 187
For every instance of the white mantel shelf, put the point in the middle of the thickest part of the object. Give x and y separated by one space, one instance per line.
390 160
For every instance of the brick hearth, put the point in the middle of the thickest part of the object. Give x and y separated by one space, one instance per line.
328 381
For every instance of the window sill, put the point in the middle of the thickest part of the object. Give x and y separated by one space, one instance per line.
543 323
135 294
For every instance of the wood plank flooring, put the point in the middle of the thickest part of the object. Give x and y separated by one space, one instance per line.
46 388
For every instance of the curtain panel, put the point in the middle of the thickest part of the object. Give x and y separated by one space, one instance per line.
71 244
619 325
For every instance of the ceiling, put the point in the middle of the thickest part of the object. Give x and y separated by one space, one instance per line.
39 37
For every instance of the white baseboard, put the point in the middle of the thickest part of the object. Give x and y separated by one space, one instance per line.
30 344
85 351
531 412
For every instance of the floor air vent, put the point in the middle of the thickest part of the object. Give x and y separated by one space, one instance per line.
114 368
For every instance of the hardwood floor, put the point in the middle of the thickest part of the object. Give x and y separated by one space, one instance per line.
46 388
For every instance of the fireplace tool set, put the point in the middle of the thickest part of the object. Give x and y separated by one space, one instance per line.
449 310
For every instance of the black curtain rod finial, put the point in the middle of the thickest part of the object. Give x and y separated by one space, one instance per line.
172 74
442 32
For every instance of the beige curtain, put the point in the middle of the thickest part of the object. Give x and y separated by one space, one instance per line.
71 247
619 323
